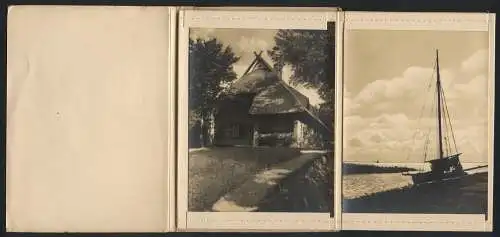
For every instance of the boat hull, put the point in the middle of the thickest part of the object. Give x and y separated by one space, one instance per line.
429 177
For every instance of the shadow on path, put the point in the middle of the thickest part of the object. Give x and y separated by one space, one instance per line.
309 189
216 171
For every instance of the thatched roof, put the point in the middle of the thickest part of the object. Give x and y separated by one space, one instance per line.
271 94
254 82
276 99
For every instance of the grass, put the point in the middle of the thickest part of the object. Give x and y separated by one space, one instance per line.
215 171
309 189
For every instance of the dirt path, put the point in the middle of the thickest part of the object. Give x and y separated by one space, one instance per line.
216 171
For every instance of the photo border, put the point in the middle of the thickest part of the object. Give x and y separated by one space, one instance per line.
437 22
170 164
338 123
249 18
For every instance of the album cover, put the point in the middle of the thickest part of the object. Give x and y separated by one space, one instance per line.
248 119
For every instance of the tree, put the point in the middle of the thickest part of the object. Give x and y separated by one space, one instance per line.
310 53
210 72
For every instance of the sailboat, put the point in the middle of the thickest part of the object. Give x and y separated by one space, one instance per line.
446 164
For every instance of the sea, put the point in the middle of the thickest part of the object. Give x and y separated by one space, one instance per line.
475 167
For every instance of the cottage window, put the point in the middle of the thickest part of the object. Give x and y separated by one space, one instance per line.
232 131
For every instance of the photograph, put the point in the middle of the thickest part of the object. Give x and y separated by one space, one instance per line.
415 130
260 120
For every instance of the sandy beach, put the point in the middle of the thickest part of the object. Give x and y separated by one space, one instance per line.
385 188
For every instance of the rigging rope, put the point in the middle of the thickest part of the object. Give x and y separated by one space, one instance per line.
447 112
422 111
448 123
428 134
426 145
447 146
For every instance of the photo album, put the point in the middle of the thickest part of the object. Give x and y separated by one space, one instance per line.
248 119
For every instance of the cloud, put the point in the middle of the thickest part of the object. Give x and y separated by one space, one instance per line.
412 78
202 33
403 93
415 87
394 138
251 44
386 122
350 106
478 62
355 142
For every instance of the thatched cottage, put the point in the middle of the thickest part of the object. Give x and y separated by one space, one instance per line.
260 109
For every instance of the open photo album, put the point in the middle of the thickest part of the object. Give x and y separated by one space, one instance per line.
248 119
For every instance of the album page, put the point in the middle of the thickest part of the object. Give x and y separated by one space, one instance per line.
255 119
417 127
90 111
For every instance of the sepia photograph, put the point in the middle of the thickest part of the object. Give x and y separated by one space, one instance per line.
260 120
415 131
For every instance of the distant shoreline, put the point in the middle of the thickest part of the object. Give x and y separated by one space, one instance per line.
411 166
408 164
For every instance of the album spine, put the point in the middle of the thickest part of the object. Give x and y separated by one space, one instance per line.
491 86
169 167
339 85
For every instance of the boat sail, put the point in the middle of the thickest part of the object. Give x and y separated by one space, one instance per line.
447 163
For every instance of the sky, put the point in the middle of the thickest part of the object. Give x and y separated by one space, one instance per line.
387 74
246 41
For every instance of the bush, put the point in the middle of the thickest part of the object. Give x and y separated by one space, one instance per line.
276 140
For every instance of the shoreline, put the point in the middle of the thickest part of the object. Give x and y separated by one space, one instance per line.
416 166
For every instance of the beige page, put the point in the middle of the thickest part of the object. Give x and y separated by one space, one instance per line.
88 119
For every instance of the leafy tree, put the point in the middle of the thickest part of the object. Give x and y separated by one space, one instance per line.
310 54
210 72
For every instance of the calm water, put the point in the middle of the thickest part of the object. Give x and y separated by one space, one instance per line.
417 166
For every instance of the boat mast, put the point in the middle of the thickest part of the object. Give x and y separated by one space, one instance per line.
438 91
